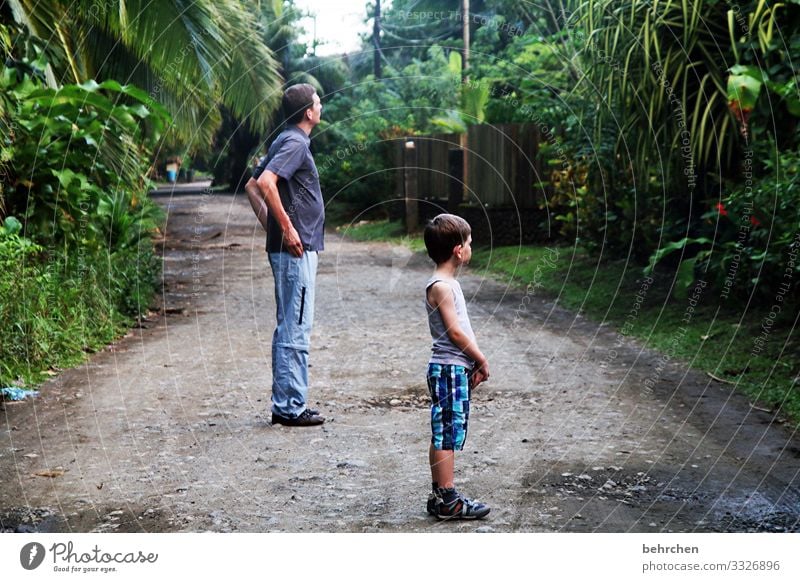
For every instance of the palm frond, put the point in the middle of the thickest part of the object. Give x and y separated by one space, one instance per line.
251 83
203 52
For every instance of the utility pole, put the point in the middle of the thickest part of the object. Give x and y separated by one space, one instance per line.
464 138
465 16
376 38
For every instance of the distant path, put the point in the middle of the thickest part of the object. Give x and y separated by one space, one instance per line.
168 429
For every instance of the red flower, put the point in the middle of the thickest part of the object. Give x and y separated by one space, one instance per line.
754 221
721 209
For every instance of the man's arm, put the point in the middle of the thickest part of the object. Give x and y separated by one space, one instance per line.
440 296
268 186
257 202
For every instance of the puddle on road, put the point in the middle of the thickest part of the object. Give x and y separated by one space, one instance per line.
46 520
410 398
668 499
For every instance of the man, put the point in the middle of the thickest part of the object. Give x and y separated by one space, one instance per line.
286 197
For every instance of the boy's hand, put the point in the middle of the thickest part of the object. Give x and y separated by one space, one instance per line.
480 374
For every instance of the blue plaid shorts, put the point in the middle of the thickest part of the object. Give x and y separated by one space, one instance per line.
449 388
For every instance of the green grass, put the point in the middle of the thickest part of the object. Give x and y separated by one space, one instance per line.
718 336
382 230
54 313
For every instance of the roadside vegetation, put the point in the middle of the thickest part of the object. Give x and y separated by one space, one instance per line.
77 259
82 127
709 333
382 230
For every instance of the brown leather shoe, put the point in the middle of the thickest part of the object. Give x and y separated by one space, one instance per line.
307 418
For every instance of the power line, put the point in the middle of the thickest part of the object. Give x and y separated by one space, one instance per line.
446 33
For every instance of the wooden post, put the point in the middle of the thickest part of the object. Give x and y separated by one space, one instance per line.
464 143
410 171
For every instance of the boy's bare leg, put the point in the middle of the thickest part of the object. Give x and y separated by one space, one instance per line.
443 465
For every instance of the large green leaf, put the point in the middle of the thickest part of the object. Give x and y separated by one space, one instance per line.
454 63
672 247
11 226
744 86
474 98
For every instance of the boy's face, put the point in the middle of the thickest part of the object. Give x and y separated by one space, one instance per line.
464 252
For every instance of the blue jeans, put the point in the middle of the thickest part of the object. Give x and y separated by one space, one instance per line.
294 299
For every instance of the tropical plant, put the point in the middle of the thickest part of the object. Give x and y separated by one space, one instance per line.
71 149
679 118
661 60
188 56
749 243
54 308
77 256
472 94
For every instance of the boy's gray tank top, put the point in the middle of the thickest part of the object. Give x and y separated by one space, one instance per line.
445 351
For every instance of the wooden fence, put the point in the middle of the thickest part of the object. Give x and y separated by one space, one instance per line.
503 167
431 159
492 176
495 165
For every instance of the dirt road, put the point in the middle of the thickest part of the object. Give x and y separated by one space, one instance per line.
168 429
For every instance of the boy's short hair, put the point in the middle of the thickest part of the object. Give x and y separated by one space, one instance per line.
443 234
296 100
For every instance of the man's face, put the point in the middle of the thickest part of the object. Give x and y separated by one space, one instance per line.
316 110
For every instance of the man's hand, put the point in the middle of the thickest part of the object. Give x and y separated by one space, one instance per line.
292 242
268 183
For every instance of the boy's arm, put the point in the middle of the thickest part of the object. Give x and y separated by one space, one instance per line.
257 202
440 296
268 185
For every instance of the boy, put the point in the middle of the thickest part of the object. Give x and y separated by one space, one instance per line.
456 366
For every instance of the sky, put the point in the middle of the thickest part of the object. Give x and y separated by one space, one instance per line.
339 22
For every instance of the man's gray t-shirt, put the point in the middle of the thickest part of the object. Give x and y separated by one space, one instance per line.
289 157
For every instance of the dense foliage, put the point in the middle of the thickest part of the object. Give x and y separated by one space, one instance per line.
671 127
690 97
76 242
188 56
362 118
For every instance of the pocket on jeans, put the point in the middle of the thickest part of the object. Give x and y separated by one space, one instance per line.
302 305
